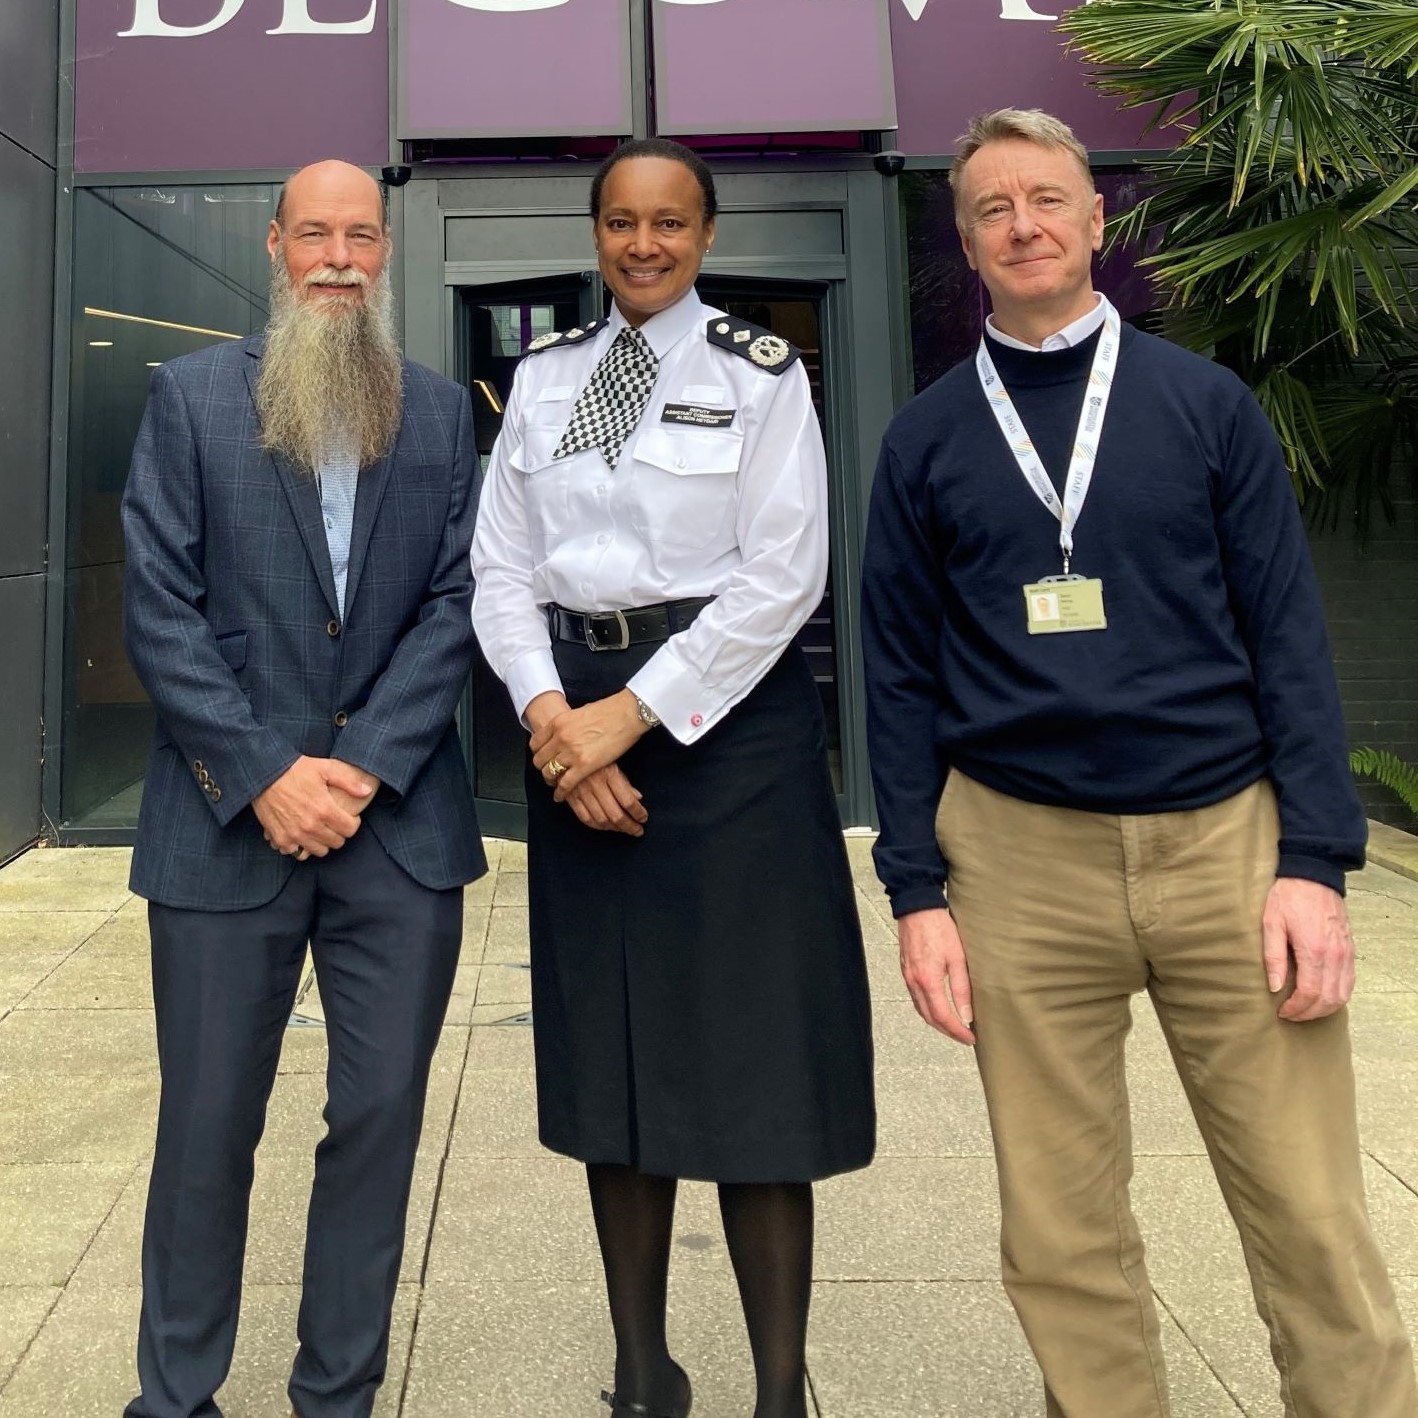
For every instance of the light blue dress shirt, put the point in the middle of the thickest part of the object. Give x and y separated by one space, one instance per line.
338 477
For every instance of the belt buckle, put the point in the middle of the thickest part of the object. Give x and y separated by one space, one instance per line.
621 624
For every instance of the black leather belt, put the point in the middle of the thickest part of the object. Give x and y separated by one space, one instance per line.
619 630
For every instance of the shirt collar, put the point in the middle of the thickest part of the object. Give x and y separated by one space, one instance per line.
1072 334
666 329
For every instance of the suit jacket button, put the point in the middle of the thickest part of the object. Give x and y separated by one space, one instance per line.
216 795
341 719
333 629
197 766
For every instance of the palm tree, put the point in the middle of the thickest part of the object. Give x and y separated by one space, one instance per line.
1283 226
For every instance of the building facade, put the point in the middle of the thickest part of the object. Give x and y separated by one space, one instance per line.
830 124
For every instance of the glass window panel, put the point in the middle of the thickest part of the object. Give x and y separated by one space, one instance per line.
158 272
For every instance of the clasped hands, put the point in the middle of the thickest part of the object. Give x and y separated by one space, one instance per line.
577 752
1305 937
314 807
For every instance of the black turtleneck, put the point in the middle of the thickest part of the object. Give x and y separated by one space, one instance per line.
1214 668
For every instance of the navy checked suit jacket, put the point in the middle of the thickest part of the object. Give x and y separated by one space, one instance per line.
232 624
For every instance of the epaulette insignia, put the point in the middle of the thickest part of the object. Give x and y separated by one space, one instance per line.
742 337
558 338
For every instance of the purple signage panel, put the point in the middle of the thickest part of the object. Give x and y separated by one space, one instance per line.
173 85
957 58
514 68
772 66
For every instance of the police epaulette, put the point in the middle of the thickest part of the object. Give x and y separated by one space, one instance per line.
564 337
742 337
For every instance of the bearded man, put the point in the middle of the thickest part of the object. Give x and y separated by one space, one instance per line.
297 521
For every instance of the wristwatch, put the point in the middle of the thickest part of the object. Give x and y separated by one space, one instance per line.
648 717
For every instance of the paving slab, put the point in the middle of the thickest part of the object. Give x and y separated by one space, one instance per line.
22 1311
910 1218
497 1116
511 889
98 1043
46 933
929 1112
1384 1026
1387 1091
507 935
82 1363
125 932
49 1120
90 980
72 879
543 1347
498 1039
1393 849
49 1215
515 1220
505 983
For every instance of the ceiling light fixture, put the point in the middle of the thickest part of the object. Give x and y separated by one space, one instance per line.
161 324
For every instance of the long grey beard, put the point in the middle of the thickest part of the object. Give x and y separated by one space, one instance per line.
329 379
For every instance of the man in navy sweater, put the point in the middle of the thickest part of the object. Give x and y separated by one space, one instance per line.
1101 703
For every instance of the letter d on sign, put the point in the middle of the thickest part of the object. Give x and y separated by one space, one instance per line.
148 21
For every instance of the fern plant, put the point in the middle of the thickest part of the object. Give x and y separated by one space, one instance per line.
1390 770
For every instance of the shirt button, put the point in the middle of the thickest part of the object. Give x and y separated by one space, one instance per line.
585 588
695 720
329 524
341 719
603 489
333 629
602 540
681 462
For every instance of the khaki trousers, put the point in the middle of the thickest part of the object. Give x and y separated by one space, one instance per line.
1065 915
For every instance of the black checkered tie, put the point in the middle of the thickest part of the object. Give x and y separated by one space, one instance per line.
611 404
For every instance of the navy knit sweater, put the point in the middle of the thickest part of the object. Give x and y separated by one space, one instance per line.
1214 668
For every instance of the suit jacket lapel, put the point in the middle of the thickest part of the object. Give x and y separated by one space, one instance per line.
304 498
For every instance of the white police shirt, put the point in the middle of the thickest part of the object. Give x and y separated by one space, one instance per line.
737 511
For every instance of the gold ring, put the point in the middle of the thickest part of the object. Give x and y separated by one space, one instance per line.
556 768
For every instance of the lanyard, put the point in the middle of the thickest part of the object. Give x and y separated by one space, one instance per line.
1085 441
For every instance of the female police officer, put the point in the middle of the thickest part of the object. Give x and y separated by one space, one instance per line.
652 534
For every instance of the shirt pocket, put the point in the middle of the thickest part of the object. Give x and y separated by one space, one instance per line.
686 485
545 485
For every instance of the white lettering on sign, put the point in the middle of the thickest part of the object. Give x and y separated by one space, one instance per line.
1008 9
296 18
507 6
148 20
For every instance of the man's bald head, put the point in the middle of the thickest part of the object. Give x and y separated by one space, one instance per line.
332 177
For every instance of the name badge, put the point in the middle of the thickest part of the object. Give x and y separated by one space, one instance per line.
697 416
1059 604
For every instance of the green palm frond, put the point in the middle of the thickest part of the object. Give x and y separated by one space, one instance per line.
1280 229
1390 770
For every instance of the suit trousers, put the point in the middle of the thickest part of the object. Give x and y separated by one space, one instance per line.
1065 915
224 983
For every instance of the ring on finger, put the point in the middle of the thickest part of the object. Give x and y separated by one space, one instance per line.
556 767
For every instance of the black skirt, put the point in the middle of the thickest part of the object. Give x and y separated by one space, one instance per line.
699 994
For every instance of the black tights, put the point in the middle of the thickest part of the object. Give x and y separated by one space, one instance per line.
768 1228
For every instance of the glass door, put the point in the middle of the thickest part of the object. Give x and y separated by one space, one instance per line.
795 311
497 324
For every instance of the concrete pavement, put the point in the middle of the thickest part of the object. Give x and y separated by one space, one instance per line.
500 1311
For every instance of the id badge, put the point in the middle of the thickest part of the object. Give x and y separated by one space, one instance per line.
1062 603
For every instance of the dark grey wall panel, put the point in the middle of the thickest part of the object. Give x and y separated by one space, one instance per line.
29 73
1371 608
22 615
27 318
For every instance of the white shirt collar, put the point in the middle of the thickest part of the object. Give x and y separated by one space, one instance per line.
1072 334
666 329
